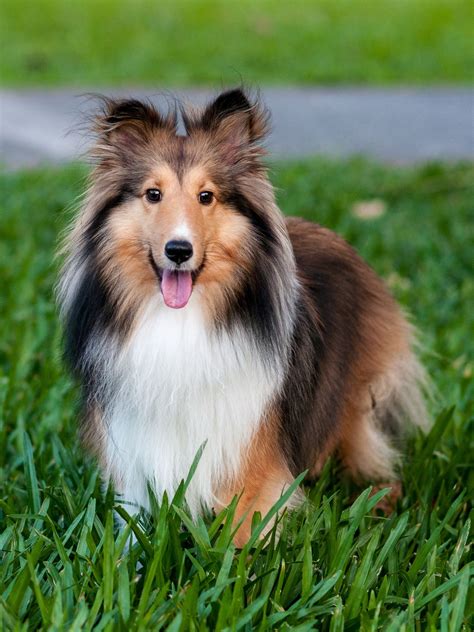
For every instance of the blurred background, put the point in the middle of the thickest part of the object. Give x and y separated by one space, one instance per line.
387 78
372 104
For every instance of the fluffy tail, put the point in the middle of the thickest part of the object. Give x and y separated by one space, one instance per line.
373 451
401 398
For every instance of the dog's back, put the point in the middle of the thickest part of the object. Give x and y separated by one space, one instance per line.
367 379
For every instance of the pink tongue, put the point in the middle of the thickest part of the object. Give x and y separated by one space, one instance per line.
176 287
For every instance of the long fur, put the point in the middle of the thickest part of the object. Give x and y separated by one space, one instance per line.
289 349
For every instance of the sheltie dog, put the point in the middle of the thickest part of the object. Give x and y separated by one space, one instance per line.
195 312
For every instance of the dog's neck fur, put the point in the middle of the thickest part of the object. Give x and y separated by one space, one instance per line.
176 384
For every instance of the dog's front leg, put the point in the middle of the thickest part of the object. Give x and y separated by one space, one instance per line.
263 478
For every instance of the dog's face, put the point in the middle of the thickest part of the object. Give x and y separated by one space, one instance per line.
177 233
182 214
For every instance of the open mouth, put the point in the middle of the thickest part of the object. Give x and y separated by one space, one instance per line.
176 285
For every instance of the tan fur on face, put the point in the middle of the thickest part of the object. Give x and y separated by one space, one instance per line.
124 260
179 215
217 233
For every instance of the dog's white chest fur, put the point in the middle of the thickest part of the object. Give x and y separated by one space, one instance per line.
177 385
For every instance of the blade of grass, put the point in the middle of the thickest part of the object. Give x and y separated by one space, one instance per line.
459 605
30 474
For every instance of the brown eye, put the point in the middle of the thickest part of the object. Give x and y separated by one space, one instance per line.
206 197
153 195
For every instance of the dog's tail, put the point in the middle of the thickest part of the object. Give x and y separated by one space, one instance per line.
398 406
399 409
401 398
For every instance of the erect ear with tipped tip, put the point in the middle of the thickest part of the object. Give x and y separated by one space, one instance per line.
226 104
234 119
129 122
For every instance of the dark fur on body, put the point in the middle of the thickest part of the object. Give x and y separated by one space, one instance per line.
320 320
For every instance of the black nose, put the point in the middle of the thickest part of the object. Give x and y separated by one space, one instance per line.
178 251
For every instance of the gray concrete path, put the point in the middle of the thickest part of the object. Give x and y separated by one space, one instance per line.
397 125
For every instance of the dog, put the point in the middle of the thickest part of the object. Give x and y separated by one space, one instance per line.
195 312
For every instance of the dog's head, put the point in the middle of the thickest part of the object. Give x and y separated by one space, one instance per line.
176 221
179 213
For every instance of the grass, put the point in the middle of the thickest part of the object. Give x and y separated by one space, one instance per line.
172 43
337 566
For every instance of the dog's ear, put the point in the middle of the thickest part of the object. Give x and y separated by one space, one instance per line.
127 124
233 118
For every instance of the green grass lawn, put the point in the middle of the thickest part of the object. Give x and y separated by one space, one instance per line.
336 566
171 43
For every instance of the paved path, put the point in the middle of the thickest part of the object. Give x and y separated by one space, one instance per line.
394 125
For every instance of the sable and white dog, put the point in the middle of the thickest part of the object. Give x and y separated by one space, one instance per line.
194 311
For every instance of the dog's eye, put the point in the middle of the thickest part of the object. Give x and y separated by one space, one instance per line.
153 195
206 197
